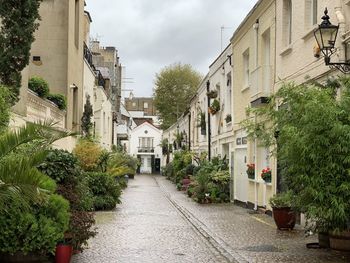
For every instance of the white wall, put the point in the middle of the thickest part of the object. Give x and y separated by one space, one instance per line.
152 131
103 118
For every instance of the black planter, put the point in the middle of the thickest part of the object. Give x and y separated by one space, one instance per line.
20 257
323 240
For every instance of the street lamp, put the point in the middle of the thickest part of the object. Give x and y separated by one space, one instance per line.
326 35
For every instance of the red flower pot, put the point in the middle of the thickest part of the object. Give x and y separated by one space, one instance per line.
63 253
284 218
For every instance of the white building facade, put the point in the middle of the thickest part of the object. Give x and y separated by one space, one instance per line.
145 144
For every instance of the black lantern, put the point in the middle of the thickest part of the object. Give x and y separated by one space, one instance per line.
326 35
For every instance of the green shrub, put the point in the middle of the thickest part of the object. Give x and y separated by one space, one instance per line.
105 189
60 165
88 153
37 230
121 163
59 99
189 169
63 167
281 200
39 86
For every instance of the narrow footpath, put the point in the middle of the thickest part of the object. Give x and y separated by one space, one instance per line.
157 223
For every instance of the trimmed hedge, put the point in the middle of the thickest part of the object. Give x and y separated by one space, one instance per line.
39 86
59 99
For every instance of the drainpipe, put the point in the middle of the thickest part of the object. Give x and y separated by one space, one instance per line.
209 131
256 172
189 131
256 28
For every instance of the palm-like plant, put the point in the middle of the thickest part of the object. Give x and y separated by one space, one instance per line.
19 178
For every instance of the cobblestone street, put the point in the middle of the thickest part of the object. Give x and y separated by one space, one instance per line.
157 223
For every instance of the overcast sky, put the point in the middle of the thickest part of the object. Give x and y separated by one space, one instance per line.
151 34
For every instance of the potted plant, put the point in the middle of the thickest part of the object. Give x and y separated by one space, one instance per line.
283 213
212 94
228 118
214 107
251 170
64 250
266 175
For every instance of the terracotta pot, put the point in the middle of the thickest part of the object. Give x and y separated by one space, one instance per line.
284 218
63 253
340 241
323 240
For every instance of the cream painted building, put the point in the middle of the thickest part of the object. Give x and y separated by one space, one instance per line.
253 45
220 78
57 53
199 110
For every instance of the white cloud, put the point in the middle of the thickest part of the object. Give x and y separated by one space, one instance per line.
151 34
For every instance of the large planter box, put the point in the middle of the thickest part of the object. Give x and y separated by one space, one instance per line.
340 241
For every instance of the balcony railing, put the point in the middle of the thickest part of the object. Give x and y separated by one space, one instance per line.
145 149
88 56
99 79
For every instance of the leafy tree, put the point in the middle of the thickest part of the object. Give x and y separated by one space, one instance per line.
313 128
86 124
175 85
4 108
19 20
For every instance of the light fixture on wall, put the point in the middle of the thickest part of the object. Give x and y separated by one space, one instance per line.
326 36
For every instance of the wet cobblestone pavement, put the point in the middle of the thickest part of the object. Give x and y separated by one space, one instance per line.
157 223
146 227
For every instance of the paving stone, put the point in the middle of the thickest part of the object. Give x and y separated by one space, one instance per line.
250 237
146 227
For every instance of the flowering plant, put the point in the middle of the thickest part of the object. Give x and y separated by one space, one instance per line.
251 170
266 174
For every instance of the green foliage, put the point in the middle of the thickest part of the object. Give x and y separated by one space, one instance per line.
165 146
63 167
86 124
211 182
60 165
313 128
88 153
181 160
20 179
215 106
59 99
36 230
175 85
169 171
105 189
18 24
120 164
39 86
282 200
4 108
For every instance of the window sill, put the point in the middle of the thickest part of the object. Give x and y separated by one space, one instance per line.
286 50
309 33
245 88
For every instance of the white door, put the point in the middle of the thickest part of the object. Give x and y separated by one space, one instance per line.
241 178
146 165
